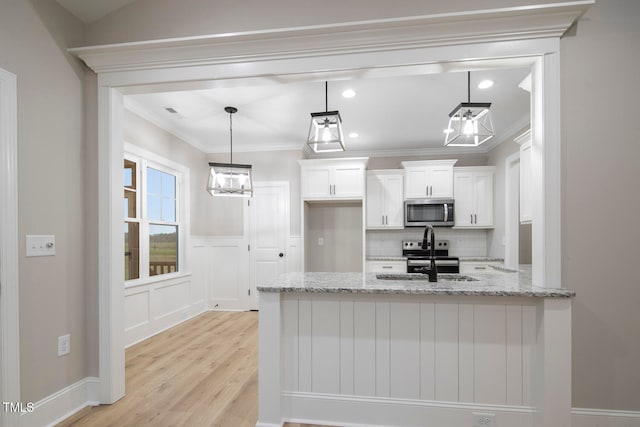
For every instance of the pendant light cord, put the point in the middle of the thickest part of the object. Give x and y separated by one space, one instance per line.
326 96
231 138
469 86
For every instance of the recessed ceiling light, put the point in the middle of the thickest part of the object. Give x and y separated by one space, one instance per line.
485 84
349 93
354 135
449 130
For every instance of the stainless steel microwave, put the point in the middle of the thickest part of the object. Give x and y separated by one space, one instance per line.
434 212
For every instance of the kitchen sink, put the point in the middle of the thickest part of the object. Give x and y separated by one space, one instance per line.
418 276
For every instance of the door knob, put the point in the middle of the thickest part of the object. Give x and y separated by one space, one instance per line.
280 254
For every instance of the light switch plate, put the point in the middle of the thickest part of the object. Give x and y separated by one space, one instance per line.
41 245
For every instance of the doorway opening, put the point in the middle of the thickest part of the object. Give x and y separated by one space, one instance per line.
538 52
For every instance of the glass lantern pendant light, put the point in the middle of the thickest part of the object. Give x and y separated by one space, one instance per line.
469 123
325 131
229 179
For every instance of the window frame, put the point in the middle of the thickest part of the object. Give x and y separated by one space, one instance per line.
145 159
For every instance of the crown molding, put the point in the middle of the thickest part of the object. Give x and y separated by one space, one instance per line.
478 26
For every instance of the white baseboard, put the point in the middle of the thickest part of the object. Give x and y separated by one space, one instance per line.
326 409
62 404
581 417
168 322
357 411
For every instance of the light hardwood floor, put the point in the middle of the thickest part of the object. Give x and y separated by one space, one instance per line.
203 372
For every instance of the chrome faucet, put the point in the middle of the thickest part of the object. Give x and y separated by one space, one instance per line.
432 271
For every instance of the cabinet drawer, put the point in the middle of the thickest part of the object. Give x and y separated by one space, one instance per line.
386 266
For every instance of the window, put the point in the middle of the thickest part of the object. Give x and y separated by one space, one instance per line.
161 214
152 213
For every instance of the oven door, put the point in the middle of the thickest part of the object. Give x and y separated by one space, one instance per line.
434 212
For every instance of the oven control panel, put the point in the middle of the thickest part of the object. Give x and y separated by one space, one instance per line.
417 245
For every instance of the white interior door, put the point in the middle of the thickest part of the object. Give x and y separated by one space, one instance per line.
269 219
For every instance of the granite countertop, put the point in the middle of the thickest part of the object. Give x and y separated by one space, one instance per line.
386 258
491 283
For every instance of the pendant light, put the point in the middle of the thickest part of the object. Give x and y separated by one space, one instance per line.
325 131
229 179
469 123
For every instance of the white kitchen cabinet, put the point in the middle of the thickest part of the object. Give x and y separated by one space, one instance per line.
473 193
375 266
525 178
429 178
385 199
333 179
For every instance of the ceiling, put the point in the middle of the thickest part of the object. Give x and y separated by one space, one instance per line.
403 114
91 10
394 112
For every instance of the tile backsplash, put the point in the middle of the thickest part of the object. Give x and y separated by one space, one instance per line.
462 243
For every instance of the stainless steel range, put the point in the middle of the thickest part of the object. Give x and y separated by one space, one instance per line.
418 257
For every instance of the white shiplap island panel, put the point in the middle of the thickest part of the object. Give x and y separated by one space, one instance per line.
411 358
402 348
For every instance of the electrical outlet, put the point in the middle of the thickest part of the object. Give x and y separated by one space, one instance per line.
320 241
64 345
484 420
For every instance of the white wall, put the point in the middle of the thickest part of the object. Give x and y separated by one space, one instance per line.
51 188
601 201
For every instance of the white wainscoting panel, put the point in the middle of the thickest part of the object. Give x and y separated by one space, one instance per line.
155 306
221 269
410 347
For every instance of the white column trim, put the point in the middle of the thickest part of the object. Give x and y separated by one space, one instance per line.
9 316
110 244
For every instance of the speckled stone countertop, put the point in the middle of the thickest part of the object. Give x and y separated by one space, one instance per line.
492 283
386 258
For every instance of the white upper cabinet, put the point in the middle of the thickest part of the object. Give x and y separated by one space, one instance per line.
333 178
525 177
384 199
429 178
473 193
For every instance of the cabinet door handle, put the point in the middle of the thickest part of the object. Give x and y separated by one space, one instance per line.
471 218
386 266
427 190
431 190
475 218
386 220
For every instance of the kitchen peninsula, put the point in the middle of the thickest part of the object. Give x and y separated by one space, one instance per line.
367 349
